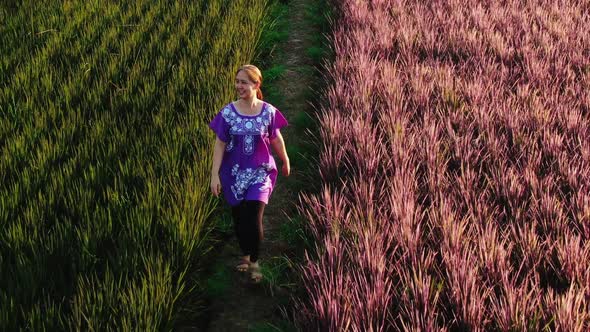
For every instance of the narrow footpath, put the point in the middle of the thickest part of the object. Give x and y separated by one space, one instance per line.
244 306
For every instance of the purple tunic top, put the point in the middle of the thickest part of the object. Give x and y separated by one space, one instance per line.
248 170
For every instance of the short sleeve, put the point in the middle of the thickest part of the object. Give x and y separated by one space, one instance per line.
220 127
278 121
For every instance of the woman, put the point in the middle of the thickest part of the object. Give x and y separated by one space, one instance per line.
243 168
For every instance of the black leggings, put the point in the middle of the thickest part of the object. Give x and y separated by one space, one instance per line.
248 226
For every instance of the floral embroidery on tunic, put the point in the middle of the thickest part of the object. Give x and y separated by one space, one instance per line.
230 145
248 144
257 125
247 177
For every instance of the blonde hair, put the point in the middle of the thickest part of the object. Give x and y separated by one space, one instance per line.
254 75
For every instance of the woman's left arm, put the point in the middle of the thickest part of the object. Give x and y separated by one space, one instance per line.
278 146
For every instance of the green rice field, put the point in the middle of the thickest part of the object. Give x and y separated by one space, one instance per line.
104 164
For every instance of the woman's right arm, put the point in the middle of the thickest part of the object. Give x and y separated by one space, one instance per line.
217 158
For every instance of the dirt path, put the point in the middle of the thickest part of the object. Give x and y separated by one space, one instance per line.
243 306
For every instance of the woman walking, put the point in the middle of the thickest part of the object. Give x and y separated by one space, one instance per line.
243 168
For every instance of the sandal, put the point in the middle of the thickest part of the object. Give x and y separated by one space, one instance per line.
243 265
255 274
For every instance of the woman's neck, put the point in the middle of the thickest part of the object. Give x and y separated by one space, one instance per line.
250 103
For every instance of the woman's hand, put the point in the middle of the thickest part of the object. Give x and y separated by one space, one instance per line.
215 185
286 167
217 158
278 145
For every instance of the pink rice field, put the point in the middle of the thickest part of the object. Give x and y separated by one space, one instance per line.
456 169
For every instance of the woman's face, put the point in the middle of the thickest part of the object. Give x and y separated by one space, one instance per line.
246 89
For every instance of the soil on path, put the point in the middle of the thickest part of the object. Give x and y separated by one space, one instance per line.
245 306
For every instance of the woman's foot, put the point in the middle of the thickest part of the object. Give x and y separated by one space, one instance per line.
255 274
243 264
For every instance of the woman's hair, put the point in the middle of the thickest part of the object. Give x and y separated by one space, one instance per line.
254 75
